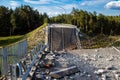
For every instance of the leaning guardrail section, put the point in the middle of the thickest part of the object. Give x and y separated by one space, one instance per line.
33 62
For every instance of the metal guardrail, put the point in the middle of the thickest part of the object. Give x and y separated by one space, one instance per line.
116 49
32 63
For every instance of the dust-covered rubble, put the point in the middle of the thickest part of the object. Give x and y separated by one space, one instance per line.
94 64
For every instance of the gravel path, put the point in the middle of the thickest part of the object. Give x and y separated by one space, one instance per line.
94 64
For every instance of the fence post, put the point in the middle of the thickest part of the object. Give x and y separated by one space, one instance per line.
5 61
1 54
13 72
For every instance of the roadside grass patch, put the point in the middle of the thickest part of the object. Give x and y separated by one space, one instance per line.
9 40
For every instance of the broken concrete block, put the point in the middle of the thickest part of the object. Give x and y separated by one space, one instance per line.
63 72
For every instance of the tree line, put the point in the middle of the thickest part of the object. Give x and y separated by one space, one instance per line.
24 19
19 21
90 23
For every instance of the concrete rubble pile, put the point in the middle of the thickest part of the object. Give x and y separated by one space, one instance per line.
81 64
52 67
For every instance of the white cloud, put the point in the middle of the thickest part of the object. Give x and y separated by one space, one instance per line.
50 10
70 6
57 6
56 9
14 4
46 1
93 2
37 1
113 5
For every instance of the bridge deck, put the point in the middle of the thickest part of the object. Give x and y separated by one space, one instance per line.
91 64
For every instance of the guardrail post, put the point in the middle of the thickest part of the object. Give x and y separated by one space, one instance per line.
5 61
24 65
13 72
31 55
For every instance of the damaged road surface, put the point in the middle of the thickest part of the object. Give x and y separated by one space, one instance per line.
82 64
50 68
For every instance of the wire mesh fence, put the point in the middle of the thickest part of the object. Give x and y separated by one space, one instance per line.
11 54
62 37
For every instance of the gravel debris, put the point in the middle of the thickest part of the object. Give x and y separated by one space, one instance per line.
94 64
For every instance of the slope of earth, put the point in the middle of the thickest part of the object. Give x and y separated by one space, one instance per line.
36 36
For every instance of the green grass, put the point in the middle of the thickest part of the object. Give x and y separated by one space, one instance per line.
9 40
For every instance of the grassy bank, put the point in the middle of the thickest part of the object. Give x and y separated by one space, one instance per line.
30 36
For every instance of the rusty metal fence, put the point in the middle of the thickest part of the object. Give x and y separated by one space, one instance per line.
12 54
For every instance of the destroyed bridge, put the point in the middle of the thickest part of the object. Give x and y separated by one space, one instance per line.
60 58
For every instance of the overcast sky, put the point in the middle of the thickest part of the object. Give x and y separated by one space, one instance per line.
55 7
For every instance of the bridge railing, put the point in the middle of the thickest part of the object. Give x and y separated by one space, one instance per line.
12 54
35 53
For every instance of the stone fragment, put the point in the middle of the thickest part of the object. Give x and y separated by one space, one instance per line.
48 78
86 58
116 72
84 72
111 67
93 59
96 50
76 74
104 77
89 75
100 56
117 76
100 71
66 78
81 74
71 77
110 59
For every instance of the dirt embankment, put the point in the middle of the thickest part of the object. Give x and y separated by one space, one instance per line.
36 36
